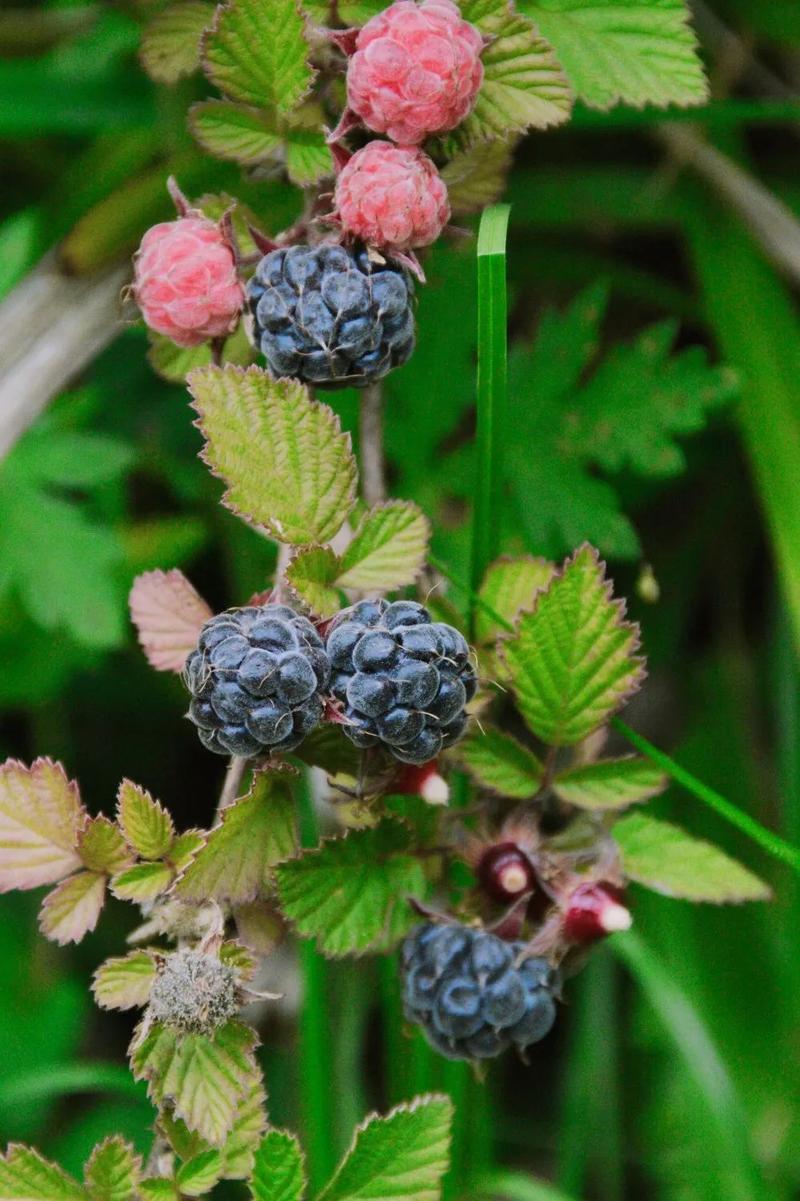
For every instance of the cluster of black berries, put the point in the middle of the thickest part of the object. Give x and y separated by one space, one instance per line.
403 679
329 316
474 994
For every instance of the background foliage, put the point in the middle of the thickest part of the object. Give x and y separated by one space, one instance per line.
655 411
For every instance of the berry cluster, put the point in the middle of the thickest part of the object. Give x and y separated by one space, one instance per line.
403 679
474 994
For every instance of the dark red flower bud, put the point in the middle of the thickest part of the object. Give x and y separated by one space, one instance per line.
505 872
423 781
595 910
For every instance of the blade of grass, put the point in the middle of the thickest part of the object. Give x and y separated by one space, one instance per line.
58 1080
513 1186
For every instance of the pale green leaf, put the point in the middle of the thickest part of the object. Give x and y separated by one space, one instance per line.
351 893
501 764
610 783
248 1127
198 1175
278 1171
476 177
112 1171
102 847
311 574
170 45
174 363
238 132
40 816
254 833
388 548
287 464
308 156
670 861
571 661
145 822
142 882
401 1157
509 587
257 53
26 1176
523 83
184 848
71 910
159 1189
125 982
205 1075
631 51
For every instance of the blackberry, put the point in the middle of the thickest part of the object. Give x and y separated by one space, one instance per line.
329 316
463 986
403 679
256 679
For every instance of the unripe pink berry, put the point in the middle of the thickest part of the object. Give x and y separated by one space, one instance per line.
392 197
423 780
185 281
593 911
416 71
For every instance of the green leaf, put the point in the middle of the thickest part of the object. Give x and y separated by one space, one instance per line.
71 910
388 548
254 834
204 1075
198 1175
248 1127
500 763
40 816
258 54
350 893
278 1171
168 614
26 1176
329 748
610 783
287 465
250 136
523 84
572 661
171 41
670 861
124 982
159 1189
184 848
112 1171
631 51
311 575
142 882
476 177
102 847
401 1157
174 363
147 826
509 587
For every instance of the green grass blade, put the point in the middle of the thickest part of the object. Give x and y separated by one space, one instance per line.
59 1080
513 1186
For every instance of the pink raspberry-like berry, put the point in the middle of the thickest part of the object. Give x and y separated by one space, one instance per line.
416 71
392 197
185 281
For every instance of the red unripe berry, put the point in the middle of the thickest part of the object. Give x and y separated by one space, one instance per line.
392 197
505 872
422 780
594 911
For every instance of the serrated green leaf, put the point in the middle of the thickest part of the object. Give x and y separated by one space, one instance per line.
199 1175
509 586
631 51
184 848
610 783
476 177
142 882
258 54
500 763
174 363
308 156
145 822
670 861
248 1127
124 982
523 84
351 892
254 834
400 1157
40 816
170 45
159 1189
238 132
204 1075
287 464
102 847
329 748
311 574
388 548
112 1171
26 1176
572 661
278 1170
71 910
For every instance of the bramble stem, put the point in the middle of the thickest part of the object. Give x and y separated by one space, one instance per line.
232 782
373 480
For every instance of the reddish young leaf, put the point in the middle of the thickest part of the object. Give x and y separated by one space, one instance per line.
168 614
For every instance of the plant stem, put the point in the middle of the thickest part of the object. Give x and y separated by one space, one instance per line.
373 481
231 783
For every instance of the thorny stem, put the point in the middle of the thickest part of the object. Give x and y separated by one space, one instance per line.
373 481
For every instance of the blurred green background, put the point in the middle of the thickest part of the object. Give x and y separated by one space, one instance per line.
675 1069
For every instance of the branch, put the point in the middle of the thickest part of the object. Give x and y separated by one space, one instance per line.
373 482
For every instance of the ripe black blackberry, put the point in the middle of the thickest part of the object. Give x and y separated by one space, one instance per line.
256 679
330 316
403 679
463 986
